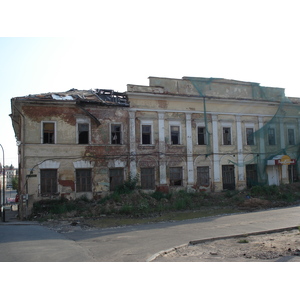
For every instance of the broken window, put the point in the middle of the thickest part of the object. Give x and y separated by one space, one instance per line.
249 136
175 176
201 136
271 136
83 180
116 178
147 178
116 133
203 176
48 181
175 135
48 133
146 134
226 136
83 133
291 136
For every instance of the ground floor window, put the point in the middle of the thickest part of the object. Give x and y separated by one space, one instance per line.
83 180
293 174
202 176
175 176
148 178
228 177
251 175
48 181
116 178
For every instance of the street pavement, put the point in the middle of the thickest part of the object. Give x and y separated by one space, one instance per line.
138 243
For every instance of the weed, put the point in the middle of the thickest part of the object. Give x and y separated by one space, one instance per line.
243 241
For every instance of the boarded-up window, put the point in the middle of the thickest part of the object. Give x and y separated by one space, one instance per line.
48 181
83 133
175 176
203 176
201 136
226 136
116 133
116 178
83 180
146 134
175 135
48 133
147 178
250 136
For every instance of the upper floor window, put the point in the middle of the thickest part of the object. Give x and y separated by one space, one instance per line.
271 136
201 136
146 134
226 136
291 136
175 135
48 132
116 133
250 136
83 133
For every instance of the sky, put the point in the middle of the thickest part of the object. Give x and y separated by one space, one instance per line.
109 44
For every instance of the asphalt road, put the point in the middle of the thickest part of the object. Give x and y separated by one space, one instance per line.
132 243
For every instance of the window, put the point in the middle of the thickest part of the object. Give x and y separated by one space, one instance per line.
175 176
175 135
83 180
116 178
48 133
48 181
83 133
249 136
271 136
291 136
146 134
147 178
116 133
226 136
203 176
201 136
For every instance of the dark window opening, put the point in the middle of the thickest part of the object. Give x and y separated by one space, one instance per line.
83 133
203 176
116 178
201 136
175 135
48 181
48 133
271 136
83 180
227 136
291 136
146 134
147 178
251 175
116 134
250 136
175 176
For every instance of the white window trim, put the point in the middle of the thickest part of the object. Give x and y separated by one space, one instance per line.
146 122
175 123
201 124
83 120
121 140
42 131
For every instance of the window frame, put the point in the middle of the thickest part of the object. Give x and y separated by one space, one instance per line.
199 183
173 178
145 183
274 136
146 123
229 141
247 135
111 132
288 136
87 186
53 182
42 132
175 124
83 121
204 135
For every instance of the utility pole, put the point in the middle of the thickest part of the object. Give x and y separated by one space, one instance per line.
3 188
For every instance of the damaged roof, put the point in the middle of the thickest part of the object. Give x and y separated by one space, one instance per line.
98 96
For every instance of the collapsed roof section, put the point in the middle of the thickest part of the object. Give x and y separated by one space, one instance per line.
98 96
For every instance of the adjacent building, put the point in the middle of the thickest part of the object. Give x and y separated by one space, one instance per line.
192 133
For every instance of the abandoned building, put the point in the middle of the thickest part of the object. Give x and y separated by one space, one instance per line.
192 133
